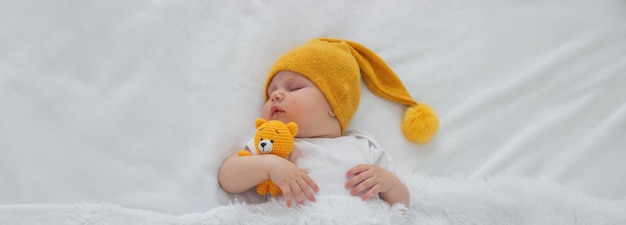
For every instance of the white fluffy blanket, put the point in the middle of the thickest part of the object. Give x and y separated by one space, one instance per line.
497 200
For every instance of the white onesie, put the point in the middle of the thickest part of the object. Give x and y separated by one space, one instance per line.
328 159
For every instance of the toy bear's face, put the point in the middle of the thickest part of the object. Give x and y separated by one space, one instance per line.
274 137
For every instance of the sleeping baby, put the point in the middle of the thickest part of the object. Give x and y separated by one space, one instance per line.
317 86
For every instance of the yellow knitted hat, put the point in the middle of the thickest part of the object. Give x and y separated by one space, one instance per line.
336 67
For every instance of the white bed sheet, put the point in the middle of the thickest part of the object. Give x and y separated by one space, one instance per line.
136 103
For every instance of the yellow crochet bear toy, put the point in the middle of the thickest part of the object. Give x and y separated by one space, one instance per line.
272 137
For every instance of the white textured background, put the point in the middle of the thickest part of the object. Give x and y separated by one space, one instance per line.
137 103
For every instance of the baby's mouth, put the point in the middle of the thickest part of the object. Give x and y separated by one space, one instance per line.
276 110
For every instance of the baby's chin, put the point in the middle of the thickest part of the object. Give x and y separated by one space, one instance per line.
276 117
313 134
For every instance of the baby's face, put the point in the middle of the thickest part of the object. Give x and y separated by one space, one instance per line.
294 98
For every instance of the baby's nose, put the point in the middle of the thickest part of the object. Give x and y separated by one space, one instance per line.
277 96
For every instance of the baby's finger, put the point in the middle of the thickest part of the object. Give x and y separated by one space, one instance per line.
362 186
372 192
356 170
297 193
307 190
311 183
287 193
357 179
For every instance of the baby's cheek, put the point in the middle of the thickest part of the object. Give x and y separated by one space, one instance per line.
266 111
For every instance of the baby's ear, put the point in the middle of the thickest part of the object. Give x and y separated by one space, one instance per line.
293 128
259 122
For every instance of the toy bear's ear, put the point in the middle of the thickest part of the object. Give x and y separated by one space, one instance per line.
259 122
293 128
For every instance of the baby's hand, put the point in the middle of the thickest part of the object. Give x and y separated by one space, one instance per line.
293 181
370 178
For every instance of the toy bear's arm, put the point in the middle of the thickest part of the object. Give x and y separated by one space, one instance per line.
268 187
243 153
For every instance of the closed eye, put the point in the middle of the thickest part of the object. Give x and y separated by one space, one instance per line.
296 87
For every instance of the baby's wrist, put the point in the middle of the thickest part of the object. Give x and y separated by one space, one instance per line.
393 179
271 163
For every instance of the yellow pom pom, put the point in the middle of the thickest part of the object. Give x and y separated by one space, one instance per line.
420 123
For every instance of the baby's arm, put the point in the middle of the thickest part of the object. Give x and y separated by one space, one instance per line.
239 174
399 193
376 180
